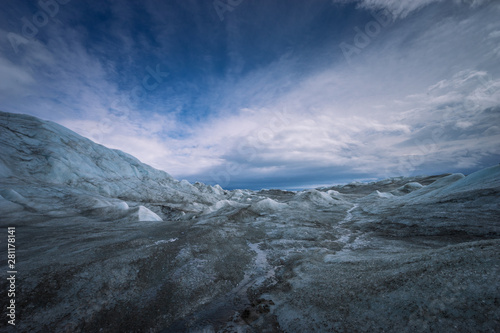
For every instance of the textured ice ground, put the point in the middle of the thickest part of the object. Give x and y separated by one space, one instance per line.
108 244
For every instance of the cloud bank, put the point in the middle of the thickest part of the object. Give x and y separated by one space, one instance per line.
208 101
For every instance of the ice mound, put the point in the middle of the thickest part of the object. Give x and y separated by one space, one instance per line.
437 186
455 184
101 208
218 189
315 197
267 206
375 199
210 190
407 188
482 179
241 194
143 214
333 193
383 195
458 185
224 204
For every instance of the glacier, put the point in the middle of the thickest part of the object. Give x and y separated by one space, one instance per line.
106 243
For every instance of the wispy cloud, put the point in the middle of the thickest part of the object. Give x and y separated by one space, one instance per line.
401 9
422 98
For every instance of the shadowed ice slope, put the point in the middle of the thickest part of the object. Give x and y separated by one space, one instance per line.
41 161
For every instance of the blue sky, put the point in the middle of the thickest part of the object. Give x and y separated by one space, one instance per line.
264 94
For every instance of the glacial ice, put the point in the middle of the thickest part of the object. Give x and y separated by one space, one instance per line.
407 188
7 206
267 205
107 243
144 214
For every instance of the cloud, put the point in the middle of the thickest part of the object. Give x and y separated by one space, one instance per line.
401 9
422 97
398 9
375 117
494 34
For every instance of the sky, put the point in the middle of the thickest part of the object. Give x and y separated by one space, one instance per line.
264 94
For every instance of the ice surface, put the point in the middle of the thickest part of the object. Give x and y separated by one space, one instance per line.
333 193
435 189
483 179
43 151
407 188
144 214
267 206
316 197
7 206
13 196
225 205
382 195
109 244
